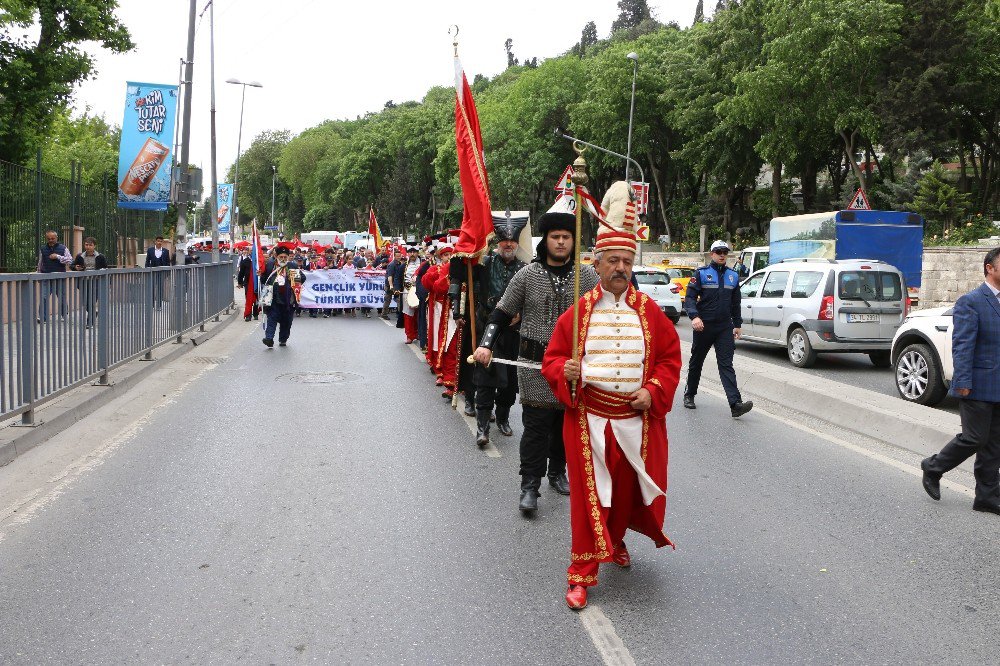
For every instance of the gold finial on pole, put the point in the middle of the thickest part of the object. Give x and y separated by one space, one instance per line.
454 37
580 179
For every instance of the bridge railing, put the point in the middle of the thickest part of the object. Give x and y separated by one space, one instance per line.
59 331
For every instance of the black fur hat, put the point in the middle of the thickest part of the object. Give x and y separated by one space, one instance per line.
552 221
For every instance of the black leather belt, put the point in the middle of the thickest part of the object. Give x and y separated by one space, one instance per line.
532 349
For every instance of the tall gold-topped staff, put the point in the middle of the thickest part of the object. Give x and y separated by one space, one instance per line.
579 179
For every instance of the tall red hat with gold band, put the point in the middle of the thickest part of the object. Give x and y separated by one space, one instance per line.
617 230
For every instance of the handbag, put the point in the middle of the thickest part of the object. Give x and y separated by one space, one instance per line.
267 293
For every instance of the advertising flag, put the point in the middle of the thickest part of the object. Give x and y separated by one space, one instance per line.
144 155
477 214
224 204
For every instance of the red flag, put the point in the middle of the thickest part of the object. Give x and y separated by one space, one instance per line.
477 216
373 230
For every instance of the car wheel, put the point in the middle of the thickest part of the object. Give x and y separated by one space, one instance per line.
800 351
674 320
918 376
881 359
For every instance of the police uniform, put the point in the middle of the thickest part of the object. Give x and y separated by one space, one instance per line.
713 294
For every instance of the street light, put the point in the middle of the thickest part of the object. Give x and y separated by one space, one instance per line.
274 176
239 145
634 57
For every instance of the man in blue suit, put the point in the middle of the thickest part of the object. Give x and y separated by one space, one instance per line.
976 382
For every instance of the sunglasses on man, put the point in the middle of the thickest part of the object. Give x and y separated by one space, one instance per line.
720 252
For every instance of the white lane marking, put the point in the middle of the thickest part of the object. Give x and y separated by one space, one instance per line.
23 510
874 455
611 648
470 422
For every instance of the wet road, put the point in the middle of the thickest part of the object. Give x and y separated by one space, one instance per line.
322 503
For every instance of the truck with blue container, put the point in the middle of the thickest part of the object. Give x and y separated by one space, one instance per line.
894 237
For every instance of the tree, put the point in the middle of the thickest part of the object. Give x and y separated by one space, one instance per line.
85 139
630 14
253 191
508 46
699 12
588 37
37 77
319 218
940 201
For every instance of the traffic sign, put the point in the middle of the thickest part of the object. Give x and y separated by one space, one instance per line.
641 197
859 202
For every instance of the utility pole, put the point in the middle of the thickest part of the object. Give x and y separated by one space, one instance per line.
182 195
214 198
274 177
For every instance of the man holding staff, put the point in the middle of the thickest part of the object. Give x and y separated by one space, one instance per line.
614 362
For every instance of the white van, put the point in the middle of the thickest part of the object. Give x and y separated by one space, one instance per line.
812 306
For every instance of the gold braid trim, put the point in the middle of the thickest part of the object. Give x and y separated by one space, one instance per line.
581 580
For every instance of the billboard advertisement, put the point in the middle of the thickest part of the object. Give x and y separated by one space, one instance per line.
224 204
144 154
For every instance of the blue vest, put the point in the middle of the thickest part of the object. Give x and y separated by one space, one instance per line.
708 278
52 265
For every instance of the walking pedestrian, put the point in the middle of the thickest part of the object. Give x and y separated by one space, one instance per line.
89 260
157 255
976 383
617 396
53 257
713 304
539 293
245 280
279 275
496 385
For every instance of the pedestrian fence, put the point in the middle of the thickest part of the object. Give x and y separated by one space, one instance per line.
59 331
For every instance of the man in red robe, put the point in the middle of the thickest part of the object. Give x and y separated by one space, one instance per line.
617 396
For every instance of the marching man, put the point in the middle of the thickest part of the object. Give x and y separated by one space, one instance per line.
617 396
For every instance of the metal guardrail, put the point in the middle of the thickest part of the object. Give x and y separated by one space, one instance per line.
59 331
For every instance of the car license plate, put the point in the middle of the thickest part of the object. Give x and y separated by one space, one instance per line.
852 318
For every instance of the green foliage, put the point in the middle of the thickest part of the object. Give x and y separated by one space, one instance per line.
253 192
939 201
37 76
631 14
86 139
320 218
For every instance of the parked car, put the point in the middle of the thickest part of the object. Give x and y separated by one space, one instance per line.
812 306
679 275
655 283
921 356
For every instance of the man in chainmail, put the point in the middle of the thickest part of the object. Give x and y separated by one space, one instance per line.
539 293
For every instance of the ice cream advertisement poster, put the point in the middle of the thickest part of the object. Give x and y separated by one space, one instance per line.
145 154
224 204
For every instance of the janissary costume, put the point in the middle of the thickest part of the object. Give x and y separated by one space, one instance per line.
616 456
409 275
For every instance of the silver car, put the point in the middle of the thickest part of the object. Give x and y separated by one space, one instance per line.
656 284
812 306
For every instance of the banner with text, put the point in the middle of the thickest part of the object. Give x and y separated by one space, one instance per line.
345 288
144 158
224 204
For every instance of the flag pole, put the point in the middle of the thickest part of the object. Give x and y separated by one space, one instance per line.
580 180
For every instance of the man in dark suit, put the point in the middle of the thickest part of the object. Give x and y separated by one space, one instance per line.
976 382
158 256
280 274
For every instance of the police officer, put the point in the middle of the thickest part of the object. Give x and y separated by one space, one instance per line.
713 305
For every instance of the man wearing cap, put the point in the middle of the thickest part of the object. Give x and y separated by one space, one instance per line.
497 384
539 293
279 274
617 396
442 363
713 304
409 275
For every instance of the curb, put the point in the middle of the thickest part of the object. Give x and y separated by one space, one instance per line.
59 419
893 421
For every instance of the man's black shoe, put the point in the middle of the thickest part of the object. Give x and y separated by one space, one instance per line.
559 483
988 507
504 428
282 344
470 408
932 482
529 501
269 342
741 408
247 318
255 317
482 427
689 402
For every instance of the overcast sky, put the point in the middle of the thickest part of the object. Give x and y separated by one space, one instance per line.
323 59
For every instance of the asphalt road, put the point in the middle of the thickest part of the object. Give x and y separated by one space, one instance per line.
322 503
851 369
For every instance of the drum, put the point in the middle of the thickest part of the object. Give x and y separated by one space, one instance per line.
411 297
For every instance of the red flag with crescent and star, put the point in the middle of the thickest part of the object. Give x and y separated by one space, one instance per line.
477 215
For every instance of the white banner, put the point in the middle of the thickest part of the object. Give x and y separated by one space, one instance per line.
344 288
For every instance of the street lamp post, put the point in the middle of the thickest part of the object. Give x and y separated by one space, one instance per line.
239 147
274 177
634 57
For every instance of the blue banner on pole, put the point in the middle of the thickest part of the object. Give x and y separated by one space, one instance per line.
144 154
224 204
